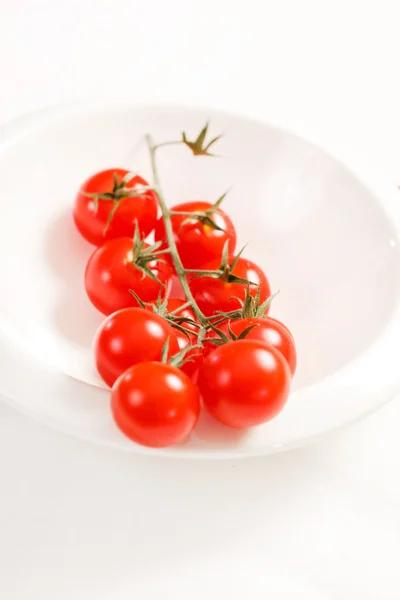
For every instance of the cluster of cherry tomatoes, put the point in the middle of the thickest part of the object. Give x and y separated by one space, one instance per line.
165 355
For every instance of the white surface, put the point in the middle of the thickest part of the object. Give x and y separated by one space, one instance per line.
80 522
342 303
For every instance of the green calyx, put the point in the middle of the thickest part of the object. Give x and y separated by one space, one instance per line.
176 321
199 147
205 216
225 271
179 359
142 255
231 337
251 306
118 193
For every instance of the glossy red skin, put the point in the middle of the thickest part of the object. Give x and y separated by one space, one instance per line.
266 329
176 289
110 275
196 242
214 295
244 383
92 223
155 404
130 336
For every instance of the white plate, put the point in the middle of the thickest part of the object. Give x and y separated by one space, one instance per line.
328 243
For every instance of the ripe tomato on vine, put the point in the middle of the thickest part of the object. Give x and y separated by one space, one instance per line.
163 354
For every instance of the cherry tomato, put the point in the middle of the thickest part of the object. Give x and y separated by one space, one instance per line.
110 274
267 330
130 336
92 222
244 383
197 242
155 404
213 295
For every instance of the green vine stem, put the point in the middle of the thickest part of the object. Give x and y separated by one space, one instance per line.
166 213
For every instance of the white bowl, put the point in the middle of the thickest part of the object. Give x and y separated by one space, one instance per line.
328 243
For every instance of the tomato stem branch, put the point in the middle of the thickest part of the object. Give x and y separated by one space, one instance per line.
163 144
183 213
180 308
179 268
205 272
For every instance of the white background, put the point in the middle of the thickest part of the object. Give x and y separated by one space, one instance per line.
82 522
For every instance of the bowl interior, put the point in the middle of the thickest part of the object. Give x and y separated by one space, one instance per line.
322 238
325 241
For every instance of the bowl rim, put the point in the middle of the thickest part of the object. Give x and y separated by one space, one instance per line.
360 373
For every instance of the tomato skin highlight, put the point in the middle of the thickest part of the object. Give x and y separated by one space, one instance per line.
130 336
196 242
110 275
92 223
155 404
244 383
268 330
214 295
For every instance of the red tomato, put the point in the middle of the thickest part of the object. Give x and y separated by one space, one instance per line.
197 242
212 294
130 336
155 404
176 288
110 274
244 383
92 222
267 330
